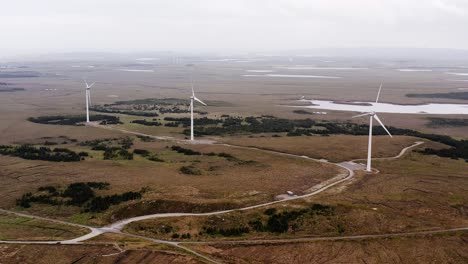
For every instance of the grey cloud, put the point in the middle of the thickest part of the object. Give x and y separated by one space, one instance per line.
30 26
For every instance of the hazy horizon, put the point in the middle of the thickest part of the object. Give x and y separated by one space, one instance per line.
209 26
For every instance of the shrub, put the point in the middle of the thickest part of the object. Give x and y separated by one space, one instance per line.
190 170
41 153
102 203
146 123
270 211
116 153
79 193
155 158
185 151
142 152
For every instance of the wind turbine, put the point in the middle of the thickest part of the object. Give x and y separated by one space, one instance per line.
372 115
193 98
88 99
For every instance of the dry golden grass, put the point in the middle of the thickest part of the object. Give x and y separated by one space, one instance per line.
450 248
335 148
403 197
413 193
64 254
22 228
221 180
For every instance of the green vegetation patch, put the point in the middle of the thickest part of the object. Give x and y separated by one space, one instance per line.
114 148
74 120
154 101
185 121
146 123
452 95
116 153
79 194
437 122
146 139
170 206
190 170
302 112
14 227
42 153
307 127
108 110
148 155
272 221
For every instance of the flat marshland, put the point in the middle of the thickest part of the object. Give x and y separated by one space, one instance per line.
121 174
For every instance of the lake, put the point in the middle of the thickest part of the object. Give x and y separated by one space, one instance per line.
432 108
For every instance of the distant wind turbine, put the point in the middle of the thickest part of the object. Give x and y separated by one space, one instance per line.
193 98
372 115
88 99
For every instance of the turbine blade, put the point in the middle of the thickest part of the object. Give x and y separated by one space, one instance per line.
380 122
191 84
200 101
190 106
91 85
193 91
378 94
366 114
87 86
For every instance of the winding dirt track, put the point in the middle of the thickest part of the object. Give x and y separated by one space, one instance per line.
118 226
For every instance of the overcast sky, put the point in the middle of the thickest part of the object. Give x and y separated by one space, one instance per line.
33 26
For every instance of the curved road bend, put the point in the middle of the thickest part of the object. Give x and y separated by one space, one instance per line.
120 224
402 152
117 226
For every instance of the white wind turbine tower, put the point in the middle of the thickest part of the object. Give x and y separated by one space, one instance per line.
192 101
88 99
372 115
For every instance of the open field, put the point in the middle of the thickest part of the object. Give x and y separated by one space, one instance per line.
221 181
344 147
21 228
403 197
64 93
414 193
88 254
449 248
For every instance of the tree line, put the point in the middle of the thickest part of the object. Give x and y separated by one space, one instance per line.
79 194
125 112
74 120
146 123
308 127
42 153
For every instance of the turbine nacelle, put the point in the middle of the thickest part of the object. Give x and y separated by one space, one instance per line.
373 115
376 117
88 98
88 86
193 98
